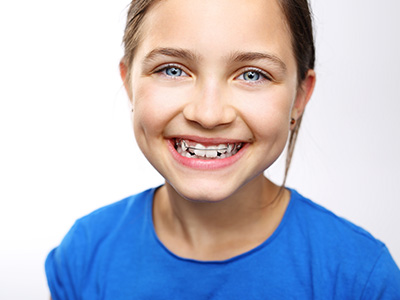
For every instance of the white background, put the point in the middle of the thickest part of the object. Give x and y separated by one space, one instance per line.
67 146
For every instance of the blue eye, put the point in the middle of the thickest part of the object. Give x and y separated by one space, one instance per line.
251 76
173 71
254 76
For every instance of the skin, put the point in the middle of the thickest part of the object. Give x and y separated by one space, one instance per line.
217 213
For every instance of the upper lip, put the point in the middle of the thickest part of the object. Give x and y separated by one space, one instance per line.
208 141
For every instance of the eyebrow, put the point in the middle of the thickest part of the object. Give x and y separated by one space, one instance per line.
250 56
234 57
172 52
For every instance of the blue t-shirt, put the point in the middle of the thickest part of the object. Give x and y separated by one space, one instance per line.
114 253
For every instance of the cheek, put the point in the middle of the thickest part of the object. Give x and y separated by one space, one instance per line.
267 114
153 108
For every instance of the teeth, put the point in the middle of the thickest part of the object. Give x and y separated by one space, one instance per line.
222 148
211 152
183 145
199 150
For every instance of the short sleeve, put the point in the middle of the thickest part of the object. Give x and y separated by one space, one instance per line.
65 265
384 280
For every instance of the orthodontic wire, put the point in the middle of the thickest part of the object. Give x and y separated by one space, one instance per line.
208 149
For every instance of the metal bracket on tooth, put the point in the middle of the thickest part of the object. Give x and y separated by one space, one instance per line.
207 149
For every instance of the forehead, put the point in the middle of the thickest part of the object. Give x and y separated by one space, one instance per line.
218 27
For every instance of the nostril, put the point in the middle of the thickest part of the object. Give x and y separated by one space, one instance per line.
209 115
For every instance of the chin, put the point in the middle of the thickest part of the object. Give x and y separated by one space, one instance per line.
204 193
205 198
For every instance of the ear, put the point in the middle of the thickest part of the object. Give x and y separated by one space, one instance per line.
123 71
304 93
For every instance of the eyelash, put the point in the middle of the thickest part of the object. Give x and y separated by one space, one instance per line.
263 75
163 68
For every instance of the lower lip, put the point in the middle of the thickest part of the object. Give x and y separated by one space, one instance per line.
205 164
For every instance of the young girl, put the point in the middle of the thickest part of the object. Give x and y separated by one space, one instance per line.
217 88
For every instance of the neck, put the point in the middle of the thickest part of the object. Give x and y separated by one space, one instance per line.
219 230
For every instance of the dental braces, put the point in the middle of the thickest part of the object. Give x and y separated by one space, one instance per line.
234 147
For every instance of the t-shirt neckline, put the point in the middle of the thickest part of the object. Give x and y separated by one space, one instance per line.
241 256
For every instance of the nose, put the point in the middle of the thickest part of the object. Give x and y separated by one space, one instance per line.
209 106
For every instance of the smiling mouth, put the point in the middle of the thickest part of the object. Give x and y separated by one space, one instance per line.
192 149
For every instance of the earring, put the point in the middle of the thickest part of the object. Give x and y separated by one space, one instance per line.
292 121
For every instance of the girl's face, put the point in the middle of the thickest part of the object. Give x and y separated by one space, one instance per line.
219 75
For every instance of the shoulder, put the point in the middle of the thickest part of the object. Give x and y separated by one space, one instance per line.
112 214
109 222
343 250
330 228
101 235
112 217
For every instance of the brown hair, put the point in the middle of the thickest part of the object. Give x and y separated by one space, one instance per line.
299 21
